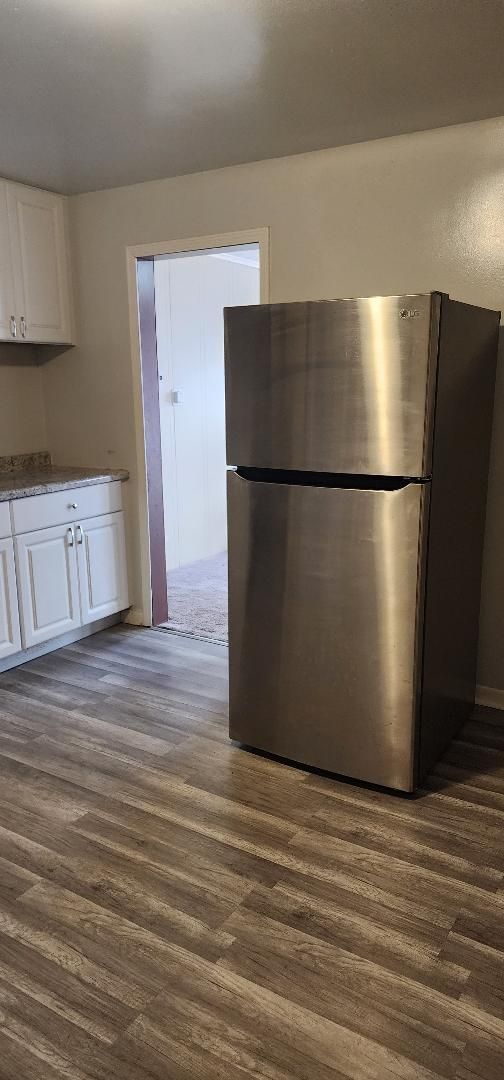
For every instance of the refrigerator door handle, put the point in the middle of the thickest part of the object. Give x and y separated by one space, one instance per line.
329 480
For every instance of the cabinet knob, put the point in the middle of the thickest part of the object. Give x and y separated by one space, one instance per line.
72 506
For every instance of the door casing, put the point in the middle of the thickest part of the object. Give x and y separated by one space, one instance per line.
153 608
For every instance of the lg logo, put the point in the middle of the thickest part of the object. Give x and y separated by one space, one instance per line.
409 313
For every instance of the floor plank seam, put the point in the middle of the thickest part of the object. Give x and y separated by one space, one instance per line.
187 909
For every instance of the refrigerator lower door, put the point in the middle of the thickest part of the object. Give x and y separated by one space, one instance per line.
325 606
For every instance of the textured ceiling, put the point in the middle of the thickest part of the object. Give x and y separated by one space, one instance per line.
98 93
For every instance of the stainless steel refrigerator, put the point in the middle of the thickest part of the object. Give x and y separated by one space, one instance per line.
359 433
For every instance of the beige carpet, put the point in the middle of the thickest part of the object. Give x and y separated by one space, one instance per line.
197 599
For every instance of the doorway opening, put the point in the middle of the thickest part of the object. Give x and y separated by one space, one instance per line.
181 297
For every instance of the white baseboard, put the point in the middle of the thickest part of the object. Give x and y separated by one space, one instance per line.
134 617
490 696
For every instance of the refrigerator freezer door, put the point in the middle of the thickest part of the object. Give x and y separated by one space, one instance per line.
344 386
325 625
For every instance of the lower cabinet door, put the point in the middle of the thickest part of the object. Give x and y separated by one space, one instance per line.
101 552
10 637
48 584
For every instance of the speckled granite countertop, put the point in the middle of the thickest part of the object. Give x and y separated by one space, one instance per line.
20 477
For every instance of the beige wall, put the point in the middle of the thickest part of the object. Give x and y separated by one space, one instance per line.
23 427
411 213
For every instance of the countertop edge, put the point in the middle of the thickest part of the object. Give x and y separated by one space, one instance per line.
29 490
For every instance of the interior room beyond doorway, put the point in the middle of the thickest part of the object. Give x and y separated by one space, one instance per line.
191 291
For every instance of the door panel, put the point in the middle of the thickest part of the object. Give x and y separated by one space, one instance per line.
101 554
10 638
333 386
40 263
323 624
222 282
191 293
7 303
178 334
48 584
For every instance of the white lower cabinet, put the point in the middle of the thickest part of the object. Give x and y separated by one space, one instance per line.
48 584
68 575
101 553
10 637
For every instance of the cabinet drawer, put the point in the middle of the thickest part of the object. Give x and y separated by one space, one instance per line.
71 504
5 522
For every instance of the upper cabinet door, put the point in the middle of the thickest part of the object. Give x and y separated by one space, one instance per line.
37 230
7 302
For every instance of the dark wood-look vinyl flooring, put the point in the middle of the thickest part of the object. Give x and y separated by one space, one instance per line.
175 908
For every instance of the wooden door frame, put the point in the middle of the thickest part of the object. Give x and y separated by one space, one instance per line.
142 313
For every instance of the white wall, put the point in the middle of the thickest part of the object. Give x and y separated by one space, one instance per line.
411 213
191 292
23 428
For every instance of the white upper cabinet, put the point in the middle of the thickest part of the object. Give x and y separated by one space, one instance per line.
34 277
7 302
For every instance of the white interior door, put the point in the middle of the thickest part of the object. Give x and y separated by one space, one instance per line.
48 584
7 303
40 264
10 637
191 292
101 553
182 408
166 411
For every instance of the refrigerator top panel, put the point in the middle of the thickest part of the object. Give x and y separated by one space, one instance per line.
338 386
